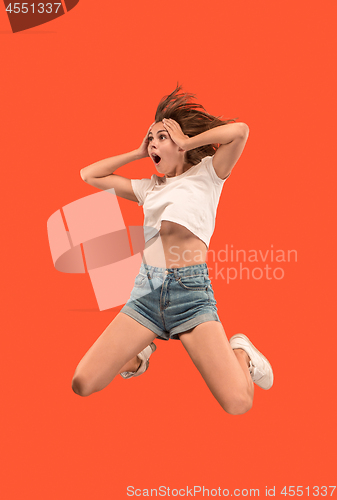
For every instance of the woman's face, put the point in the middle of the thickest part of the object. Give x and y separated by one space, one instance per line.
165 153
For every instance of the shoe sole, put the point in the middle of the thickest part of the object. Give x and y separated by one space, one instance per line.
240 335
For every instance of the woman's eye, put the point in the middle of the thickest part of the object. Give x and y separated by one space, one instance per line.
162 137
149 139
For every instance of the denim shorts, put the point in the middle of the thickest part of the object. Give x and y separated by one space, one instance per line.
172 301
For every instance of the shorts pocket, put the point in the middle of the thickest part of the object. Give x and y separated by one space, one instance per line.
210 292
208 283
141 280
193 282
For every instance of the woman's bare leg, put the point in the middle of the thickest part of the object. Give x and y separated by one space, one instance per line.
114 351
225 371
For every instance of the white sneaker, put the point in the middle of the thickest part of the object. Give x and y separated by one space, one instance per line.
144 357
259 366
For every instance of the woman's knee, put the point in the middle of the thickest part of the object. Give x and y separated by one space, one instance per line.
81 386
238 405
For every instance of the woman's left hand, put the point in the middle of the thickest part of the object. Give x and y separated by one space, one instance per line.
176 134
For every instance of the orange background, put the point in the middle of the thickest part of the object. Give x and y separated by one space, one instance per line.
85 87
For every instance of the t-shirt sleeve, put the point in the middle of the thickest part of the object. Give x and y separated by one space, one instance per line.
214 176
141 187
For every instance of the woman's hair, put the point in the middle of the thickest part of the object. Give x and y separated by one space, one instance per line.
192 118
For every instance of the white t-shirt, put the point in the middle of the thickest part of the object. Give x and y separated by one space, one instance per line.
190 199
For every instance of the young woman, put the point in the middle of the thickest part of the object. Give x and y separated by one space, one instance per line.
172 297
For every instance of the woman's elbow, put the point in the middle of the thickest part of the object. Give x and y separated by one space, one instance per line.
83 175
243 131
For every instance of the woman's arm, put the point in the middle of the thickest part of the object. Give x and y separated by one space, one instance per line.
101 174
104 168
232 138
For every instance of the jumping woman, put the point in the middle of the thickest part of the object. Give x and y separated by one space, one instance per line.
194 153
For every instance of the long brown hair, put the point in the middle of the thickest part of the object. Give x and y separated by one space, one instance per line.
192 118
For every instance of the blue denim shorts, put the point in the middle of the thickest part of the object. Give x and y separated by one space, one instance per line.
172 301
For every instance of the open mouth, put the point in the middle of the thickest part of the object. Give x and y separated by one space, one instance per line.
156 158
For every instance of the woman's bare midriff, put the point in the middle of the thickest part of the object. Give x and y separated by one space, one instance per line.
174 246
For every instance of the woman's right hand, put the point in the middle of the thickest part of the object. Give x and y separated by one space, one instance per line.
142 151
